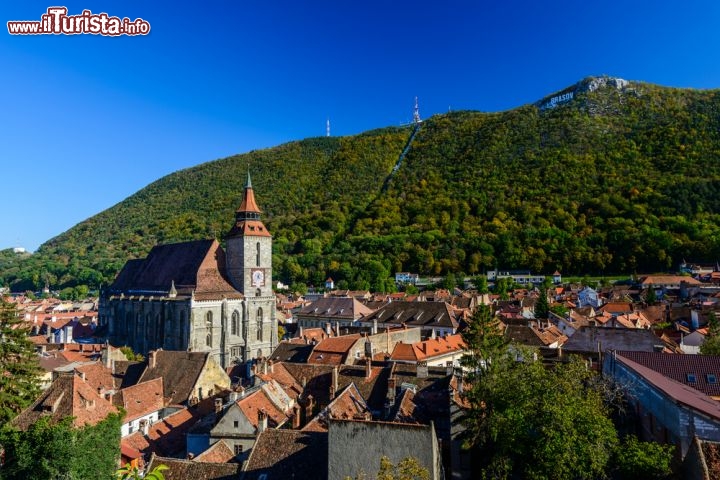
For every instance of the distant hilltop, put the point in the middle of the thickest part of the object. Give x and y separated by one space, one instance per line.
605 176
588 84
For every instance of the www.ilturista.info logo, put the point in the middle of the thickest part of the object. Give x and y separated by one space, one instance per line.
57 22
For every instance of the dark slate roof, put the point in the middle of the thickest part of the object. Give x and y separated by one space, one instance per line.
291 352
197 265
587 339
285 454
335 307
678 367
189 469
416 314
127 373
524 335
179 371
319 377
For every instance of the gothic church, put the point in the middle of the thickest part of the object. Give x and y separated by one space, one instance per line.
195 296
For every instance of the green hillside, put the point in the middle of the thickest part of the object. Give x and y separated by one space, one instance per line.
618 179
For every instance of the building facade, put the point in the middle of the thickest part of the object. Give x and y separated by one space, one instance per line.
195 296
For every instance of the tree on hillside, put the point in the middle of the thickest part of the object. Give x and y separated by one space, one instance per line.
711 345
19 367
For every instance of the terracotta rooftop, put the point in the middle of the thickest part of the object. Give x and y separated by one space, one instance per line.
334 350
259 401
142 399
348 404
705 369
219 452
67 396
428 349
677 391
97 376
167 437
669 280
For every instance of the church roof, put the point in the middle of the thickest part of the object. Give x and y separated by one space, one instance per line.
198 265
248 203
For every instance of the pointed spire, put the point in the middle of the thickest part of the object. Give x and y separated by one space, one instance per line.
248 209
172 293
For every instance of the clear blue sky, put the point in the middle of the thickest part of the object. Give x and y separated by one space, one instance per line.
86 120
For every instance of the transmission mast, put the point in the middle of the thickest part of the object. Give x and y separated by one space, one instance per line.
416 113
327 128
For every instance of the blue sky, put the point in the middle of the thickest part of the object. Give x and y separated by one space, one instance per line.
88 120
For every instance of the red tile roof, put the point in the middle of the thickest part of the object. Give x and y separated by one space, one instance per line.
678 367
142 399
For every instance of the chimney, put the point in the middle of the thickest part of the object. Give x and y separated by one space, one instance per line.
391 390
309 408
303 381
422 370
265 368
271 366
296 416
152 358
69 334
82 375
301 334
262 421
109 396
374 326
335 375
337 328
368 368
328 329
218 405
433 335
43 348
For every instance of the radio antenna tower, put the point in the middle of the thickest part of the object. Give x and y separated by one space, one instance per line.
327 128
416 113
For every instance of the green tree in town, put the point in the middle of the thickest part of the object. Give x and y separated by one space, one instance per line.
526 421
19 367
481 284
60 450
133 473
711 345
407 469
542 307
648 460
651 296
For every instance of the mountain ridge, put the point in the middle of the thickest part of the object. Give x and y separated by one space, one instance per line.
617 177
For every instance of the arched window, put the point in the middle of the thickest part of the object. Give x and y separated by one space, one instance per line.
208 326
258 292
260 324
257 255
235 323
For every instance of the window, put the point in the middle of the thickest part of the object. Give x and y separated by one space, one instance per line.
260 324
235 323
238 449
711 379
691 378
257 255
208 326
236 424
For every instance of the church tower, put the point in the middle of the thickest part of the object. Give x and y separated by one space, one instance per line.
249 269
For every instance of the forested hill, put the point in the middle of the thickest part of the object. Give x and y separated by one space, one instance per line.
602 177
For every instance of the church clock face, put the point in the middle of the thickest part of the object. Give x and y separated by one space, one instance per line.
257 277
